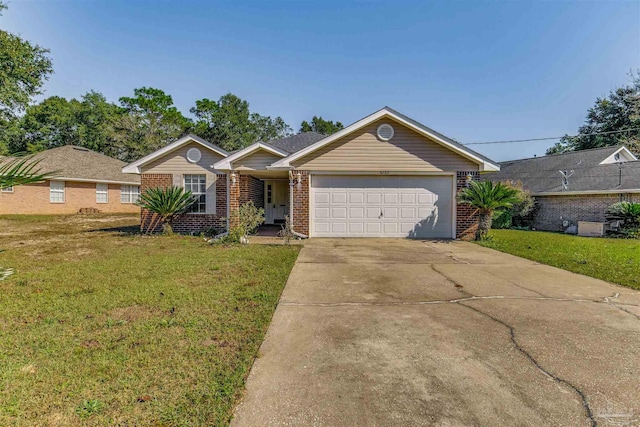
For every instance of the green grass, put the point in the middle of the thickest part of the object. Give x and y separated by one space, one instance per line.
613 260
112 328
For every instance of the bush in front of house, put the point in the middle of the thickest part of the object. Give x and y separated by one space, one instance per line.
628 213
520 213
245 221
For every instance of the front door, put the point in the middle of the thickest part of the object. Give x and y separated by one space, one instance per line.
276 201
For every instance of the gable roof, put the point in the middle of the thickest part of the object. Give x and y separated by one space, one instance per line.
485 163
225 164
72 163
135 167
541 176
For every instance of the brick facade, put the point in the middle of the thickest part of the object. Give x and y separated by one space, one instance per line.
246 188
466 216
551 211
30 199
301 202
188 223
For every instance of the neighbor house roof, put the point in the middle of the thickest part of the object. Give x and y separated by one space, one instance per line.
72 163
485 164
594 171
135 167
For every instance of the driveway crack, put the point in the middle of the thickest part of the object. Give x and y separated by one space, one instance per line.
537 364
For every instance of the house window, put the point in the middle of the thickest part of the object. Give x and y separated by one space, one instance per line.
102 193
8 189
197 184
129 194
56 191
268 193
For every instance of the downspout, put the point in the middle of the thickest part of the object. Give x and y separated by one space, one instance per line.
291 185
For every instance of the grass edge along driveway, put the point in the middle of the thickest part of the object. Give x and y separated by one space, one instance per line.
108 328
612 260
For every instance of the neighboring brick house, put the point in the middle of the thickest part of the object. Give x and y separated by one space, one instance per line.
575 186
383 176
83 181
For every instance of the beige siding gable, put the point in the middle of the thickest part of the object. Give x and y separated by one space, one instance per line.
407 151
176 161
176 164
258 160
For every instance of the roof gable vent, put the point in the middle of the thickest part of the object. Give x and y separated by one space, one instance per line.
193 155
385 132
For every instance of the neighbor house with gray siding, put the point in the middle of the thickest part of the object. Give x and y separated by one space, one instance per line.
385 175
575 186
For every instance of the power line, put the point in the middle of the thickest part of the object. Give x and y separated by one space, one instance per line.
551 137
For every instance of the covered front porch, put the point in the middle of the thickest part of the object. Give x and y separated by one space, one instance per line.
269 190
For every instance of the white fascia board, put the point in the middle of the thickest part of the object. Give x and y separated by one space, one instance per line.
225 164
484 166
136 166
587 192
99 181
624 151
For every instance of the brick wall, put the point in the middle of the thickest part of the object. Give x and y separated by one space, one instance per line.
551 211
188 223
34 199
246 188
301 202
466 216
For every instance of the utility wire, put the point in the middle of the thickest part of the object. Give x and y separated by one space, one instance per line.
551 137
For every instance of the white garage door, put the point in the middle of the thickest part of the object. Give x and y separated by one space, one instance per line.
382 206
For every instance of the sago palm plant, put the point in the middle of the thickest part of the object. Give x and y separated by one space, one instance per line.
21 170
167 203
487 197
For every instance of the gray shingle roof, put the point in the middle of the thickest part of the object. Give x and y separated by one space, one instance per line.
294 143
541 174
81 163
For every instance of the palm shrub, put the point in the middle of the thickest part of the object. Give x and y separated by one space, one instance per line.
167 203
520 212
487 197
627 212
20 170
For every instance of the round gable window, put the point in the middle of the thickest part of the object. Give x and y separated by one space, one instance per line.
385 132
193 155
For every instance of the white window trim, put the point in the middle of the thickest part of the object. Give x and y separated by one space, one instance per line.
57 191
100 192
198 194
8 189
128 191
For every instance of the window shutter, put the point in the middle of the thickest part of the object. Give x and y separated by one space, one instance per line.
211 193
177 180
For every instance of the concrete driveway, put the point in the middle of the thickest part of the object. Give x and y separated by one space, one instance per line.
406 333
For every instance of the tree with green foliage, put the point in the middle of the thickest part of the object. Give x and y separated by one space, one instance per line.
167 204
23 69
149 122
618 111
320 125
56 121
520 213
230 124
487 197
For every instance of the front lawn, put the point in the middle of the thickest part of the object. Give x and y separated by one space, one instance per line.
102 327
613 260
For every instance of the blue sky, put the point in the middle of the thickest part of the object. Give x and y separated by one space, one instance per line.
475 71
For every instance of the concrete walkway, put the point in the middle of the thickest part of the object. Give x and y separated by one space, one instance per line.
407 333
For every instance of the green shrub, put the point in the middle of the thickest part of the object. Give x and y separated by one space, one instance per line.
627 212
246 220
520 213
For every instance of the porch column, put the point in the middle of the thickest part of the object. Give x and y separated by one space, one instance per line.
300 206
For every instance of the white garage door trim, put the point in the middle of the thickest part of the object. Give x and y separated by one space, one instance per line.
316 176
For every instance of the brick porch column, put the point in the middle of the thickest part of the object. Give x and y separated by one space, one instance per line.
301 202
466 216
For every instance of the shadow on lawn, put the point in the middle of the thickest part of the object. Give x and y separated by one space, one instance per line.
125 230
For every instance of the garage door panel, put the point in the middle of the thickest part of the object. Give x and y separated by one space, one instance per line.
339 197
418 206
356 212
